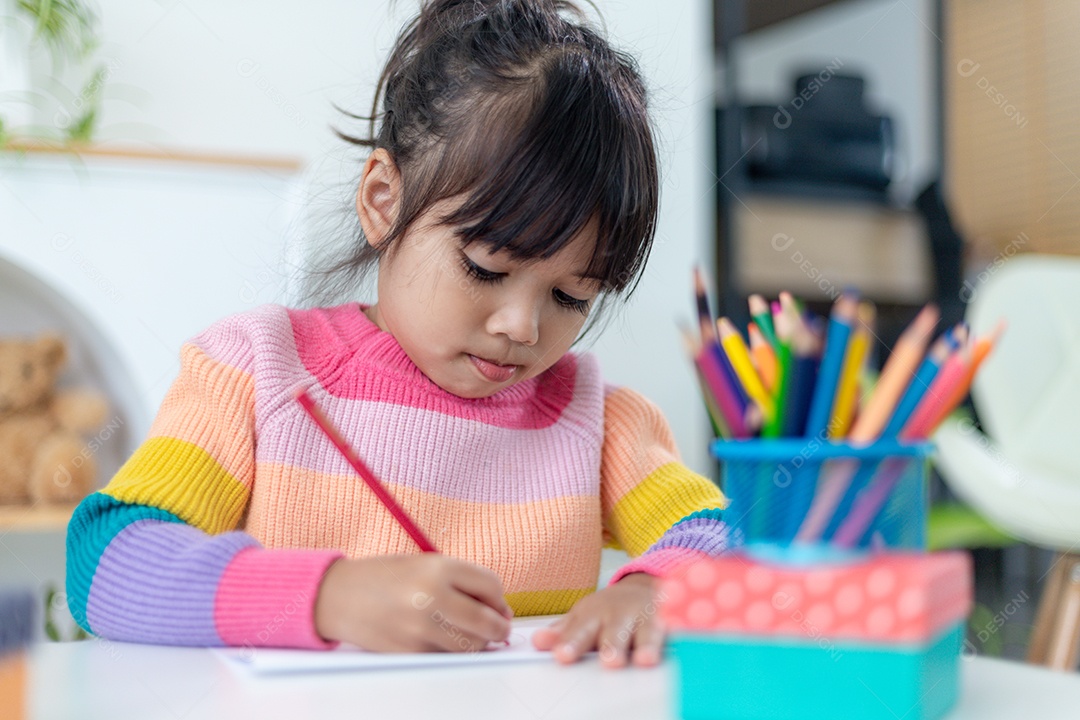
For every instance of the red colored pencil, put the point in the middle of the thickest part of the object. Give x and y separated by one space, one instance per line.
358 465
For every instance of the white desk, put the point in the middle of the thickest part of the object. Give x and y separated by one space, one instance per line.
116 681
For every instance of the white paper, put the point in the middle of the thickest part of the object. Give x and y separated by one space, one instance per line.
271 661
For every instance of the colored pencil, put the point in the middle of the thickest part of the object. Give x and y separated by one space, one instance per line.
869 503
363 470
804 369
759 310
692 347
775 427
981 350
731 415
832 358
847 390
924 375
739 355
898 371
711 346
948 380
764 358
902 364
919 426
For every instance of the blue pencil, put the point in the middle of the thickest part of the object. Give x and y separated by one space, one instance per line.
832 362
733 378
928 369
924 375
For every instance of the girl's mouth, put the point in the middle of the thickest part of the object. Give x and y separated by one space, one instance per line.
493 371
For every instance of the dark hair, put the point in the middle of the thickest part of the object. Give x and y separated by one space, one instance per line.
534 118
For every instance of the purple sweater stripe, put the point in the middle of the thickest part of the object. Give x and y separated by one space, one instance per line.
705 534
156 583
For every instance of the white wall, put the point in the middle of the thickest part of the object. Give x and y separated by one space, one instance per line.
260 78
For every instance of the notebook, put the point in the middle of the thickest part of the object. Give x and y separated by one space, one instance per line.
274 661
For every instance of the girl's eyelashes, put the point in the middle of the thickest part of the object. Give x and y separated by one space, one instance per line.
479 273
571 303
483 275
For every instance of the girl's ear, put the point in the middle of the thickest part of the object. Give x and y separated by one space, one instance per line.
378 196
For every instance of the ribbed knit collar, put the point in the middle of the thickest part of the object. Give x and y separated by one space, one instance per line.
361 343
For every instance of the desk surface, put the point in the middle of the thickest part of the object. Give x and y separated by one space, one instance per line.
102 679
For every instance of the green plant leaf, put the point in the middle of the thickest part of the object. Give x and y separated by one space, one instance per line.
986 632
67 27
955 525
82 129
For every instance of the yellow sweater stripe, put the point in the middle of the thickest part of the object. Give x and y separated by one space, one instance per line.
545 602
183 479
653 506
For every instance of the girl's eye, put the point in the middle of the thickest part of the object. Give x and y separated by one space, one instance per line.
571 303
479 273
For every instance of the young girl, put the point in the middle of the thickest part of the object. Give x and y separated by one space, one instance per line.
510 189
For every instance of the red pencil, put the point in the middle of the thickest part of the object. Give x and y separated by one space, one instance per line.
358 465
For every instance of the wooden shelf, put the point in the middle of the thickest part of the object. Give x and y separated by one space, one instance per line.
760 15
94 150
34 518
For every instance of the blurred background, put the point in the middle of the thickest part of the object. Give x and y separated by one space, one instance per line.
164 164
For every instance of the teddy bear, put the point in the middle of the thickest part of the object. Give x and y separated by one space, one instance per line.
43 454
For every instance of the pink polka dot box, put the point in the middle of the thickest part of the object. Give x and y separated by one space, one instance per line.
877 637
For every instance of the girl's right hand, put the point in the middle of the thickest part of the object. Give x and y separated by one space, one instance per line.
412 603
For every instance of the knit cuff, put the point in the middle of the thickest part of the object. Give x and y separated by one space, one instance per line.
266 598
660 563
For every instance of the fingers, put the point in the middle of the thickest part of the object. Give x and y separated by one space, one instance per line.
577 638
648 644
482 584
463 624
614 644
545 638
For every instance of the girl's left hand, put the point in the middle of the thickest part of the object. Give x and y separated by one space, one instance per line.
621 621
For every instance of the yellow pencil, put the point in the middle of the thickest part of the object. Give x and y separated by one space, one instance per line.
847 390
737 353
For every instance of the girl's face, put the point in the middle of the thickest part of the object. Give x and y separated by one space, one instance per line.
476 322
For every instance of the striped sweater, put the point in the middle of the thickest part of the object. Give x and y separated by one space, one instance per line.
219 528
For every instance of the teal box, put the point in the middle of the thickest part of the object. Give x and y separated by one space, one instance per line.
754 677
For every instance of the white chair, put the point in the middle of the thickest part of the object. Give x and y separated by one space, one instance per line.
1024 473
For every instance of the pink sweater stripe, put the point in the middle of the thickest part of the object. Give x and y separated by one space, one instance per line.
266 598
661 563
539 469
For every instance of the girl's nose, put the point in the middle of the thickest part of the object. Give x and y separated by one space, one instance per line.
517 318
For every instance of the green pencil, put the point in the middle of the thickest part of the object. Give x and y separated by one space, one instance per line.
759 310
774 428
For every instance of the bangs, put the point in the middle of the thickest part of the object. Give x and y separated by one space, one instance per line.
551 153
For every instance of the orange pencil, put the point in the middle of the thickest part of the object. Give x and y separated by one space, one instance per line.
764 357
899 370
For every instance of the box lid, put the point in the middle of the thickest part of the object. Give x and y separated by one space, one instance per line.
889 596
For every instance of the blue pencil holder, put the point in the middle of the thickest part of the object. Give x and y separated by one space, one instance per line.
806 501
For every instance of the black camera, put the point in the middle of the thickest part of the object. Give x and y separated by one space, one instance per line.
824 135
